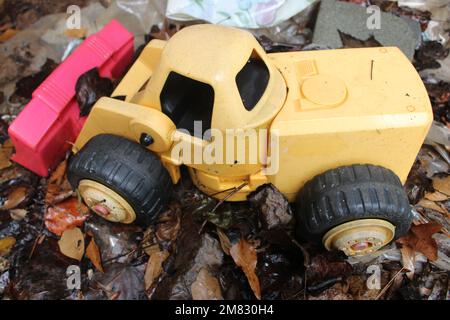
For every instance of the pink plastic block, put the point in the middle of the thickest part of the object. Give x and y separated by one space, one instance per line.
44 130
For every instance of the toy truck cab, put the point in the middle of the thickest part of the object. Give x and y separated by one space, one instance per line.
342 126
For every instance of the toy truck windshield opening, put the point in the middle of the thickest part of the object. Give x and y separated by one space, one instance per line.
252 81
185 100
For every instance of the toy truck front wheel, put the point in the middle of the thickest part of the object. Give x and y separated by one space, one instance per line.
120 180
356 209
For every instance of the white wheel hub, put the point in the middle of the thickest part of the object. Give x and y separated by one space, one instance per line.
106 202
359 237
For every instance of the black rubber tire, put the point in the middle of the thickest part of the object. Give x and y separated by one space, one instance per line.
350 193
128 169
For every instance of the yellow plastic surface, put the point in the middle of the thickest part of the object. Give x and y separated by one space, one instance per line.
327 108
383 119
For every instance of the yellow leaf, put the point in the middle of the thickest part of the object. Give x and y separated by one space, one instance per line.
6 245
206 287
244 255
71 243
93 253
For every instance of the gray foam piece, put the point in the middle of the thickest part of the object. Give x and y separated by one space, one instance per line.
351 19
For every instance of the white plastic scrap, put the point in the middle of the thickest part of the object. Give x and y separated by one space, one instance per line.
238 13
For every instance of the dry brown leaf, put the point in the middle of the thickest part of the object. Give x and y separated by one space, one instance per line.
224 241
154 267
436 196
8 34
5 154
442 185
428 204
65 215
149 250
244 255
58 187
16 197
71 243
18 214
168 224
408 260
93 253
6 245
206 287
419 238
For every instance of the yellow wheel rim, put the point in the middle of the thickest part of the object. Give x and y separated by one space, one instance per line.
359 237
106 202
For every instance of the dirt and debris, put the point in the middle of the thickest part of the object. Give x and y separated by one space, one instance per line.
89 88
201 248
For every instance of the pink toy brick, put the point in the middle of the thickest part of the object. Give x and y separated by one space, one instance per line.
44 130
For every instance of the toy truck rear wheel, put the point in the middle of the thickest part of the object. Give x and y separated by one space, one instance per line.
120 180
356 209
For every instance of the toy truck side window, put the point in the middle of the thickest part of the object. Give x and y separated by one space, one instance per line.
185 100
252 81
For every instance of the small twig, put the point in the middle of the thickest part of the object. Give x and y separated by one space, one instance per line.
39 239
234 190
203 225
296 294
219 192
387 286
121 255
304 288
307 260
228 196
324 284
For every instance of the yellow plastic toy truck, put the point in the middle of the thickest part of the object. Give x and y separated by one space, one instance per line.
337 131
